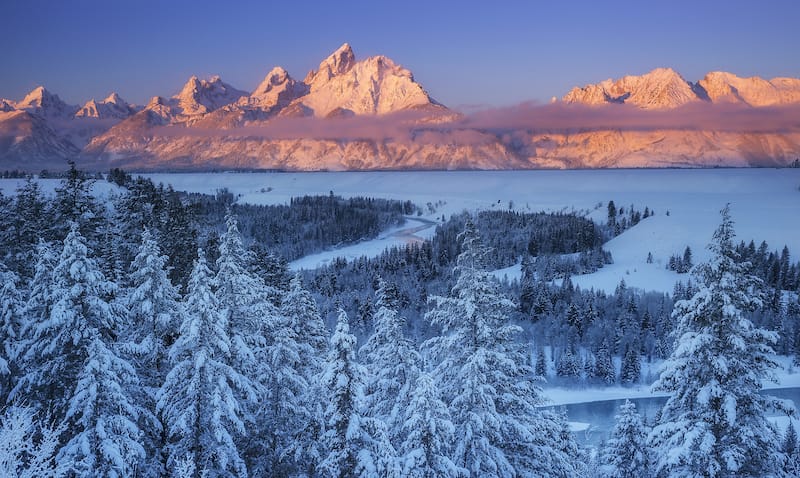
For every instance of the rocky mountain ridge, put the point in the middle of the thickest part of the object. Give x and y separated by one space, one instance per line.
372 114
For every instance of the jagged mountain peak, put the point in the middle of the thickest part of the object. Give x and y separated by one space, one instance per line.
277 90
6 105
343 86
198 96
337 63
275 78
657 89
727 87
113 106
44 103
115 99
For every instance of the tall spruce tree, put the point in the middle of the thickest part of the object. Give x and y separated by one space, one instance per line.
391 361
486 379
428 433
154 314
10 324
67 312
626 453
108 441
714 422
199 399
355 444
311 335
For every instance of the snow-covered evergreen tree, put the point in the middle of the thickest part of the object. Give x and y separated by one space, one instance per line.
286 408
631 371
626 453
355 445
790 448
108 438
154 314
154 310
36 308
428 433
541 364
391 361
311 335
28 445
10 324
80 311
486 379
241 295
714 422
198 400
604 366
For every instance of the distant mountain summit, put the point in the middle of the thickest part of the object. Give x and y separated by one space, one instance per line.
43 103
285 123
113 106
663 88
727 87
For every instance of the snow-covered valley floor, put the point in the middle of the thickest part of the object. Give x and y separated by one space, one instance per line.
765 204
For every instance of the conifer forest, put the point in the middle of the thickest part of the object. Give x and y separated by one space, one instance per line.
158 333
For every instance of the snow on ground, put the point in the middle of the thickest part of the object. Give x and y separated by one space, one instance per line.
414 230
764 205
788 376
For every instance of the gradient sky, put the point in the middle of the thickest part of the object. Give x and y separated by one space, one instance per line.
465 53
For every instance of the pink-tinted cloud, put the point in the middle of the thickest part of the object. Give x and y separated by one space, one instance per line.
489 125
697 116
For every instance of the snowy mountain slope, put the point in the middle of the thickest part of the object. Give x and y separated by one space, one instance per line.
43 103
113 106
755 91
27 141
199 97
375 85
660 88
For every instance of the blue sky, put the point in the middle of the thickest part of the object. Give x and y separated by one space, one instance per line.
464 53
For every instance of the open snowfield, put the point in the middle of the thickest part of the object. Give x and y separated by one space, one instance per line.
765 204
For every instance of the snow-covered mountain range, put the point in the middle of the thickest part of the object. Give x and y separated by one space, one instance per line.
372 114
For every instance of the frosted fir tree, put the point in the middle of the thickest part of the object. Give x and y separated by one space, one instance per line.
714 422
36 309
311 335
631 371
108 441
486 380
391 360
790 448
286 407
428 432
77 312
28 444
154 310
154 313
626 453
355 445
241 295
198 400
604 366
10 324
